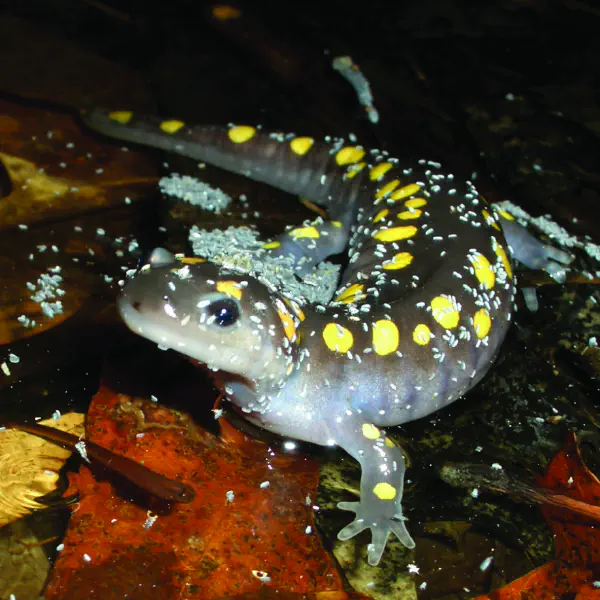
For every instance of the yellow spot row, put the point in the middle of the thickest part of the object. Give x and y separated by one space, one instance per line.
386 337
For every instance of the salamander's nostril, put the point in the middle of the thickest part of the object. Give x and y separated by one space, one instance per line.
136 305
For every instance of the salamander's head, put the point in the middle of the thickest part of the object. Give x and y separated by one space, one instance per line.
228 321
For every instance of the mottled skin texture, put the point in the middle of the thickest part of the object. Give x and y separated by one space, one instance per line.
418 319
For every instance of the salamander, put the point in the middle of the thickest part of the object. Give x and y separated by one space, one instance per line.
422 307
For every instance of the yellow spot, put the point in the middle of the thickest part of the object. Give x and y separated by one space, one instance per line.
415 203
171 126
385 337
290 368
395 234
349 155
506 215
353 294
385 491
378 171
406 215
370 431
489 219
483 270
399 261
387 188
121 116
354 170
337 224
404 192
222 12
295 307
444 311
482 323
241 133
271 245
289 327
301 145
501 254
382 214
421 334
231 288
192 260
337 338
304 232
389 443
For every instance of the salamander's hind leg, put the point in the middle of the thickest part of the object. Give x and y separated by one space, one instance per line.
527 249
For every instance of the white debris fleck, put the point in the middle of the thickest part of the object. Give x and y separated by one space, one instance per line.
230 496
265 484
14 359
497 466
412 568
80 447
5 369
485 565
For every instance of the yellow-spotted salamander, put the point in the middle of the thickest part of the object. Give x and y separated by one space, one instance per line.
422 308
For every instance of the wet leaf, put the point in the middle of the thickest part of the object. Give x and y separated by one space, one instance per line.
57 169
249 529
29 467
24 564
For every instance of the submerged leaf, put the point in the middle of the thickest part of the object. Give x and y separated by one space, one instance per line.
29 467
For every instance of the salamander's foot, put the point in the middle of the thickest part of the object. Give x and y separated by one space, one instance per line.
381 525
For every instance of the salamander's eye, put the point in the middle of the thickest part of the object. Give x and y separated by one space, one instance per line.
223 312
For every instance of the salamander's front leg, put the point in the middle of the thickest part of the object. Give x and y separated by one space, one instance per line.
310 244
381 484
